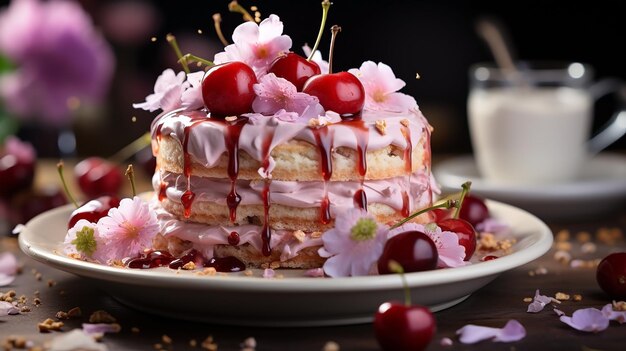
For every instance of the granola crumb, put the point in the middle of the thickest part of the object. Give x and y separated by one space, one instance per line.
381 126
619 305
405 122
189 266
609 236
74 312
134 330
25 309
561 296
562 235
38 276
49 325
541 271
248 344
231 118
275 264
51 283
265 265
583 237
37 301
316 235
166 339
577 297
207 271
563 245
299 235
563 257
18 342
528 299
61 315
193 343
209 344
331 346
588 247
158 346
487 242
101 316
248 273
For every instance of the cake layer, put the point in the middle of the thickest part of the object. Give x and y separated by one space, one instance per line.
195 144
292 205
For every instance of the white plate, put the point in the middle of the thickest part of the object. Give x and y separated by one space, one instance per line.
601 188
294 300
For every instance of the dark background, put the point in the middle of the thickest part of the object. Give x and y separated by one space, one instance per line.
433 38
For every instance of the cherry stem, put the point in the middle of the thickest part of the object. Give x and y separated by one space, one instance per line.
335 30
132 148
466 188
193 58
130 173
172 40
234 6
397 268
325 7
60 166
446 204
217 22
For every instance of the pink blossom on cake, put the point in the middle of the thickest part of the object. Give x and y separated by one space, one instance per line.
168 91
353 245
191 98
256 45
275 94
381 86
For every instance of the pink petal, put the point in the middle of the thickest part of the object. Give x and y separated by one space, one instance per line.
269 273
512 331
270 28
587 319
76 339
8 263
247 32
101 328
6 308
618 316
539 302
314 273
558 312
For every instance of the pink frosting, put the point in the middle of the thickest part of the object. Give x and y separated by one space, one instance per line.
206 139
302 194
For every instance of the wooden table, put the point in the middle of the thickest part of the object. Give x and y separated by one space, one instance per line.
492 305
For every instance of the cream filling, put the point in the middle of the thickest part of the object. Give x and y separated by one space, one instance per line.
302 194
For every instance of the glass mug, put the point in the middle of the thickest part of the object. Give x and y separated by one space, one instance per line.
533 126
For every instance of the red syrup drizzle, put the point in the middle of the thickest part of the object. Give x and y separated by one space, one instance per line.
408 168
162 190
162 258
489 258
227 264
231 140
324 140
266 232
188 196
361 132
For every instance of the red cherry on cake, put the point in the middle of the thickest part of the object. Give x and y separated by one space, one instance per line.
464 230
401 327
611 275
340 92
93 210
295 69
97 177
413 250
227 89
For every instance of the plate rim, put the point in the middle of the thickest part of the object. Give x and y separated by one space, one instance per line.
291 284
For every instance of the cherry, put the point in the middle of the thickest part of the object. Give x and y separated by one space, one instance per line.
464 230
295 69
227 89
340 92
611 275
38 202
93 210
403 327
17 167
97 177
474 210
413 250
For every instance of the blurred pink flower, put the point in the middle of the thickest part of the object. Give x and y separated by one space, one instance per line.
22 151
353 245
512 331
381 86
8 268
60 57
128 229
275 94
256 45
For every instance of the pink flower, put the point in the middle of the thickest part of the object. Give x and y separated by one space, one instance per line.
7 308
192 96
587 319
168 90
381 87
128 229
451 253
512 331
84 239
353 245
256 45
275 94
317 58
8 268
611 314
59 54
